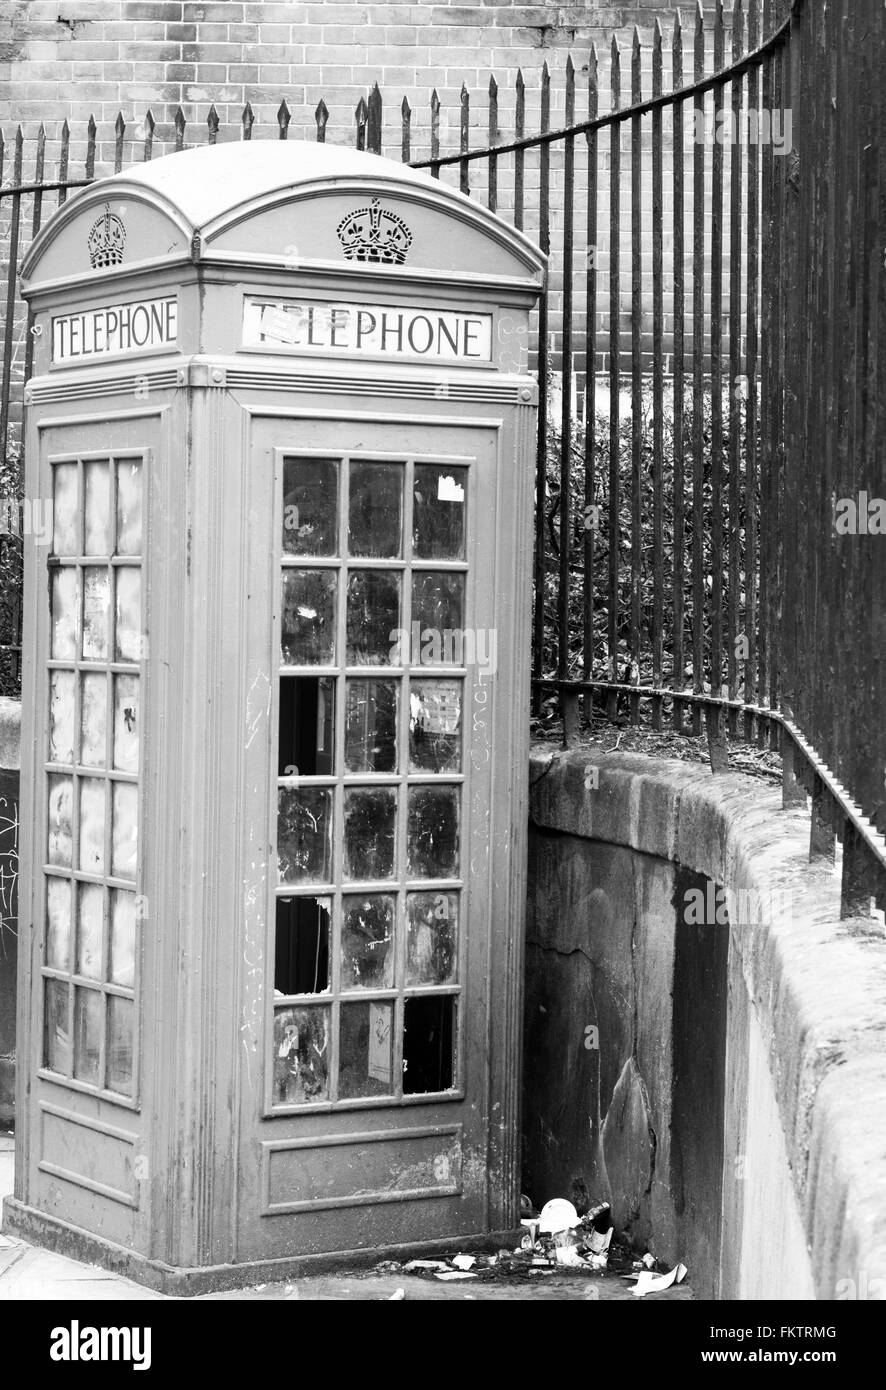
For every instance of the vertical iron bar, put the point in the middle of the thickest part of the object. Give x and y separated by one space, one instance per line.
149 137
698 303
590 497
751 369
212 126
614 364
543 386
519 155
679 319
464 139
716 320
374 120
566 379
180 123
405 131
736 385
284 116
11 280
63 161
119 132
636 376
657 378
90 148
248 121
435 131
36 218
493 141
321 116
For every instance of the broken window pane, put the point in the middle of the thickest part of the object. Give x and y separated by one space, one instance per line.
129 506
97 509
307 726
92 825
367 955
435 726
61 802
431 938
58 923
301 1052
93 714
61 716
366 1049
121 1019
96 602
438 512
432 832
65 518
124 849
126 723
375 507
373 617
90 930
122 971
371 729
65 613
128 644
370 820
88 1020
301 958
304 835
307 628
310 507
428 1044
438 609
56 1037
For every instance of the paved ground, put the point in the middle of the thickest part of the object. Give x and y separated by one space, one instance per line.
28 1272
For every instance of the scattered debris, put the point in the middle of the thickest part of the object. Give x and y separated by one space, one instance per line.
557 1215
465 1261
397 1296
455 1274
657 1283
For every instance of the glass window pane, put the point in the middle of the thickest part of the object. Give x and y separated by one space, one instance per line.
373 618
301 1053
65 529
126 723
128 629
93 716
307 628
366 1049
438 512
435 726
310 507
60 809
371 726
124 849
367 953
90 930
97 510
438 610
304 835
432 832
121 1027
375 509
428 1044
129 506
431 938
92 825
301 957
122 971
56 1037
370 823
61 716
96 601
58 923
65 614
88 1022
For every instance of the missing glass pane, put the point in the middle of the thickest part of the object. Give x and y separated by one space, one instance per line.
428 1044
370 822
432 832
301 956
307 625
435 726
438 512
307 726
366 1053
88 1021
121 1021
373 617
310 507
367 954
304 835
438 609
301 1049
371 728
375 507
431 938
56 1033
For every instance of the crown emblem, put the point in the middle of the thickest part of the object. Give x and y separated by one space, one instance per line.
375 236
106 240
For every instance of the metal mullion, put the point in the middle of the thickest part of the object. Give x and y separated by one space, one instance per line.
403 793
309 562
338 796
303 890
75 781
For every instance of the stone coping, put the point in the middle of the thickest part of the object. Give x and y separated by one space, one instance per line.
818 984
